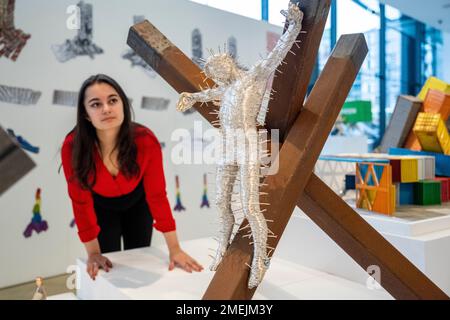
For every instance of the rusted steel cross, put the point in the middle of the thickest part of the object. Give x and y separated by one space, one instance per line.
304 127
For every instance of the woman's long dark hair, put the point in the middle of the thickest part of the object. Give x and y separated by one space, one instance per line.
85 138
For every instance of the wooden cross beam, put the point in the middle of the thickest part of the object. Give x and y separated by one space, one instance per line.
306 130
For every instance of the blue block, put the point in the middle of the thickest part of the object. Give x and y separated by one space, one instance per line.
406 191
349 159
442 160
350 182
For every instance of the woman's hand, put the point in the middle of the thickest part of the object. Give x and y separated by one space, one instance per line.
95 262
181 259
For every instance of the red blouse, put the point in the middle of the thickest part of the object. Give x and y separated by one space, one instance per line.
149 159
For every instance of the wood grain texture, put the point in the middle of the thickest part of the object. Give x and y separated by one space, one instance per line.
291 84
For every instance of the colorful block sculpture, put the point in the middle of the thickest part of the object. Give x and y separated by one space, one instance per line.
428 192
332 171
409 170
401 123
412 142
434 83
424 169
406 193
437 102
445 188
429 167
396 170
430 171
406 169
442 161
432 133
350 182
375 191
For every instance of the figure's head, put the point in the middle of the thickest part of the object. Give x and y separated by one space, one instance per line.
221 68
39 281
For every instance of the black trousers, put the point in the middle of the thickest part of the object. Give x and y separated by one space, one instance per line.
126 217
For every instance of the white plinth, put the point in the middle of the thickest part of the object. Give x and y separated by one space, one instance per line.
63 296
143 274
410 221
415 239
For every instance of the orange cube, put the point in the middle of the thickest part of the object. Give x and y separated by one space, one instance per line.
437 102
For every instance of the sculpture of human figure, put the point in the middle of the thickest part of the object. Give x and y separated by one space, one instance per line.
239 94
40 293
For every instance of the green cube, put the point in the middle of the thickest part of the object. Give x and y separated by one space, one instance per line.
428 192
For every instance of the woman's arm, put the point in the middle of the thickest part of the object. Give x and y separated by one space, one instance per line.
156 196
82 202
92 247
85 218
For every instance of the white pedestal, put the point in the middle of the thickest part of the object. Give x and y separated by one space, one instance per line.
410 221
416 240
63 296
143 274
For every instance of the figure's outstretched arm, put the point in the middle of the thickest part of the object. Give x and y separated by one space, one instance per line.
187 100
294 17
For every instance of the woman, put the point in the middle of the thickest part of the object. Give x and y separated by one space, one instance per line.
115 178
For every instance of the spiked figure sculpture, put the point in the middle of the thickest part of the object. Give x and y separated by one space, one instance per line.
239 94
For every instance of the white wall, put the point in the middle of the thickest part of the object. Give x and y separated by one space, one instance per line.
45 124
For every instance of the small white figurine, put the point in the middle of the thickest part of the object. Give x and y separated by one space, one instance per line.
40 293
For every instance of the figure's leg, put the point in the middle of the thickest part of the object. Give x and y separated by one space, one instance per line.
225 177
249 176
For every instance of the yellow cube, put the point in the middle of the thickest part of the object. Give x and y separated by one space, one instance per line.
432 133
436 84
409 169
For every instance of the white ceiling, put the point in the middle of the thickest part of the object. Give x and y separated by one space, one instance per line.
433 12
